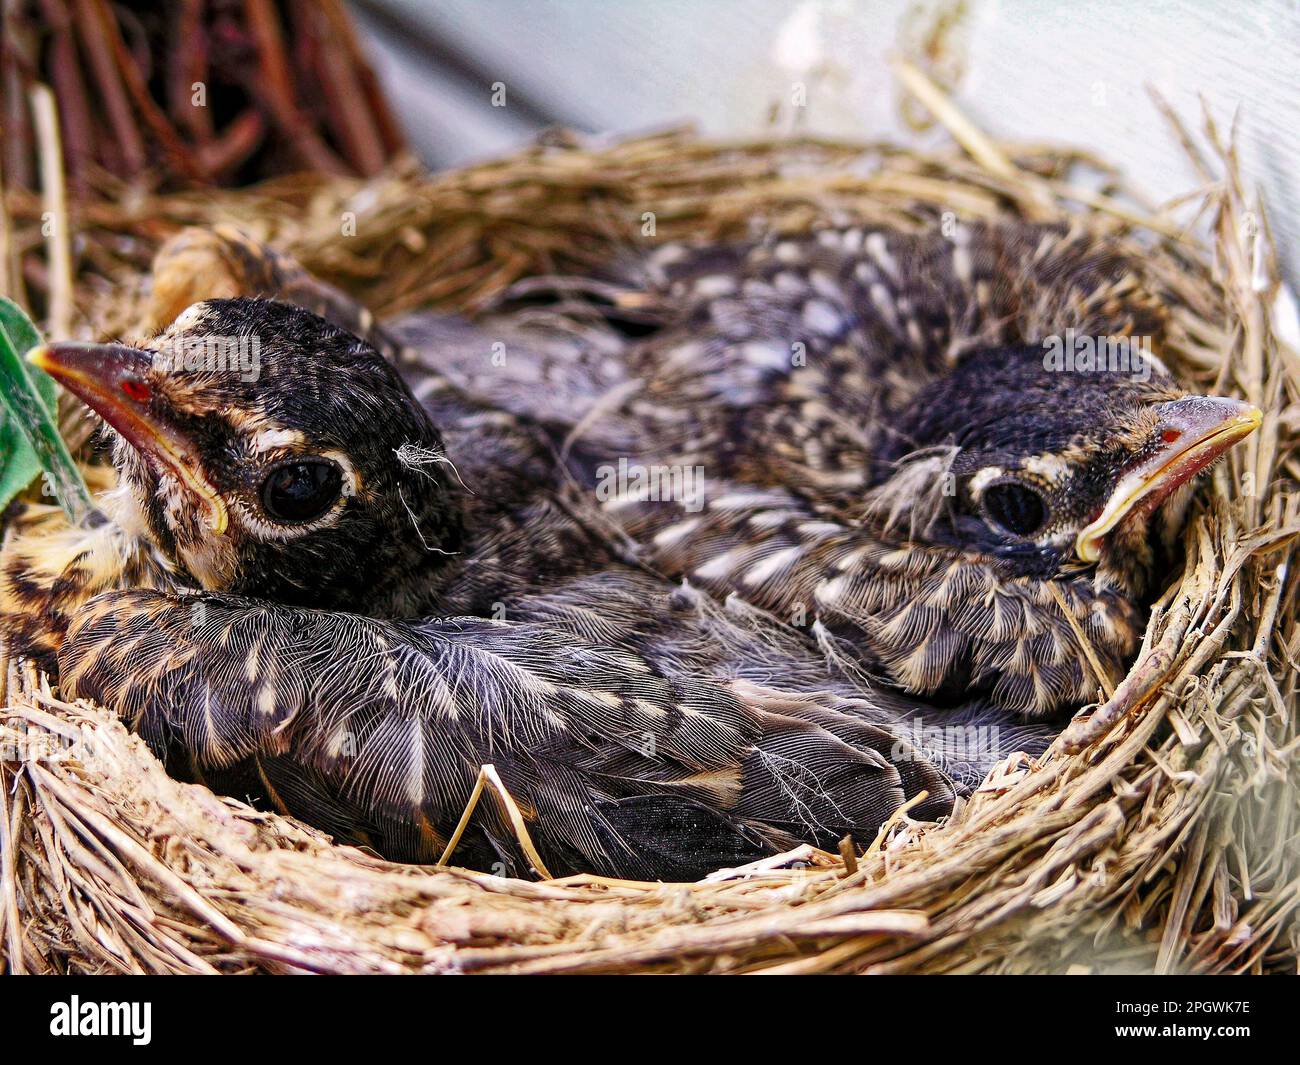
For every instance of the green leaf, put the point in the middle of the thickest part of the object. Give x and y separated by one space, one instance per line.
29 434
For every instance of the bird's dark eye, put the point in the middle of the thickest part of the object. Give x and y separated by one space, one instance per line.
1016 508
301 491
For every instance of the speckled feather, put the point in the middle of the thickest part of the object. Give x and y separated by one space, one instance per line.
376 730
829 387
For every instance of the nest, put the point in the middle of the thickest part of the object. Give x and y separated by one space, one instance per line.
1158 833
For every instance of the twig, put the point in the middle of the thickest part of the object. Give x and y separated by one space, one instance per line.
70 88
849 853
1098 670
181 155
126 142
275 86
487 774
58 236
9 920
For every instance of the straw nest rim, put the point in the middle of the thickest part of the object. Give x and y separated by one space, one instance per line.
1157 833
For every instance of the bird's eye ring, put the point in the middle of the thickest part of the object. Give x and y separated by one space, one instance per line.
1014 507
301 490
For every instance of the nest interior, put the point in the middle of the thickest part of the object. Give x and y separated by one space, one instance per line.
1158 833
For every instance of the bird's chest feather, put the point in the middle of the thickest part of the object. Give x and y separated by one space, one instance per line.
49 569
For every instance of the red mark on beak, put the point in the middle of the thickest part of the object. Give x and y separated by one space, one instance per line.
137 390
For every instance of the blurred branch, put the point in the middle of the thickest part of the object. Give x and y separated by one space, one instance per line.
169 96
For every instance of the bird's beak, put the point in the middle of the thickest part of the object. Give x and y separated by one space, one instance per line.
113 381
1192 433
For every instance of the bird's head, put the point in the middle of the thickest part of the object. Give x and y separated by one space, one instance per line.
1053 473
1022 490
265 452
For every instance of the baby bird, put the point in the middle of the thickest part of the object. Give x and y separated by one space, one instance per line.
306 612
923 449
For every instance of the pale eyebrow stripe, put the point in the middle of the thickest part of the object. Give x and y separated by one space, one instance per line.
267 439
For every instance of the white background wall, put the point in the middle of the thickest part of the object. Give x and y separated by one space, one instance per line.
1057 70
